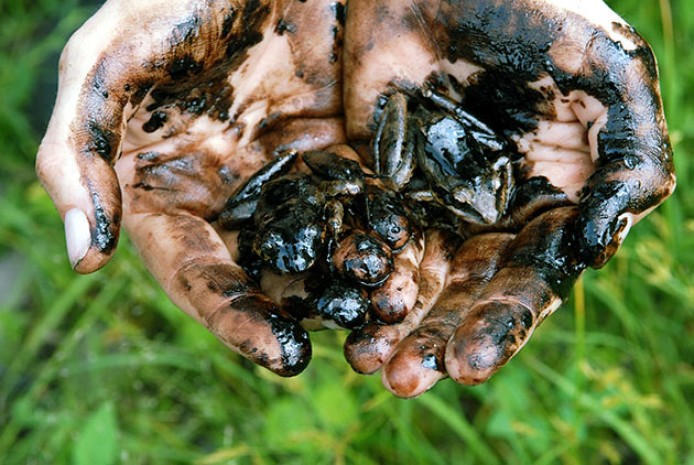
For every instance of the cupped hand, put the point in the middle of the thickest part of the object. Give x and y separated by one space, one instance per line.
576 90
164 108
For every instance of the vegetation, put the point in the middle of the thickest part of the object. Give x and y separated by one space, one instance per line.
103 369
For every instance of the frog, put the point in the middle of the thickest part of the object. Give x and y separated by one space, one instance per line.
289 220
289 225
435 151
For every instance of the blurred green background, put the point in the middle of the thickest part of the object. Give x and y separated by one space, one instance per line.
102 369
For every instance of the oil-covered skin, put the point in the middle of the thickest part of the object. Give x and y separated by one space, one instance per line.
579 97
395 298
418 362
186 100
574 86
166 108
535 276
466 167
369 347
499 289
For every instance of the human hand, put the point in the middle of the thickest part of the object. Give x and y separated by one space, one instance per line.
186 103
576 90
163 110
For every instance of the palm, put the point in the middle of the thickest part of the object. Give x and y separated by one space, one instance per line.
585 114
214 119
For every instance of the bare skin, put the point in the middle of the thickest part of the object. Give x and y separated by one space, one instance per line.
164 109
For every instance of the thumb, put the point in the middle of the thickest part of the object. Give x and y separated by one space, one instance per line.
103 78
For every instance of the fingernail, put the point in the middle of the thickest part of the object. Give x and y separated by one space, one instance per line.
77 235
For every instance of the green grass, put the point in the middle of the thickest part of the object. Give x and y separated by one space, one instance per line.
102 369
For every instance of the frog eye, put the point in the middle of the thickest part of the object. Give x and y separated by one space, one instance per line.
395 230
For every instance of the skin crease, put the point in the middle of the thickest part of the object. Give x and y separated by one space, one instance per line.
164 109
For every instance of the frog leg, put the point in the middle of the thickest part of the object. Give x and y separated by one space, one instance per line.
393 144
242 203
340 175
335 213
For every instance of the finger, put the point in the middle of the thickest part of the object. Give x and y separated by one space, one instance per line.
378 64
417 362
629 138
75 156
194 267
532 197
107 69
538 270
395 298
367 348
83 137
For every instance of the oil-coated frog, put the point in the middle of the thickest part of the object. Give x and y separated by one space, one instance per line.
299 217
466 166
